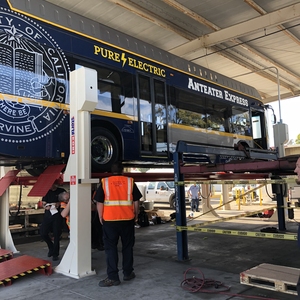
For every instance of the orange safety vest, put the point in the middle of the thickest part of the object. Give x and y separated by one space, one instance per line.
118 200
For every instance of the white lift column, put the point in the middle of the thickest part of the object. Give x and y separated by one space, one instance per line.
77 259
6 241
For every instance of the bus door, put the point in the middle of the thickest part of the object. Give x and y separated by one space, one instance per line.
152 116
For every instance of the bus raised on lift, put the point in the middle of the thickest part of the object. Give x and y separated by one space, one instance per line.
148 99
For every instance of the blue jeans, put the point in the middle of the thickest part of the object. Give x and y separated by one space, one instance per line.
195 204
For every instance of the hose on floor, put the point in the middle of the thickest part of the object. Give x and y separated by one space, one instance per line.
194 284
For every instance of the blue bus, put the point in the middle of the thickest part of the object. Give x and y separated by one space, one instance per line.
148 99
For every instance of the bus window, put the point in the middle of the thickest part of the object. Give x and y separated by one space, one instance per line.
160 116
115 91
240 121
104 96
256 127
259 129
217 116
145 113
190 111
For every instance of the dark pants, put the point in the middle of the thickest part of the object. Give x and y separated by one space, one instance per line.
195 204
112 231
97 234
52 223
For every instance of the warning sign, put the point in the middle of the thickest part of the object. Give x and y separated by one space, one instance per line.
73 180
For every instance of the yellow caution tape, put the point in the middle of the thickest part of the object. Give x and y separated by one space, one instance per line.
279 236
240 181
240 196
232 217
198 227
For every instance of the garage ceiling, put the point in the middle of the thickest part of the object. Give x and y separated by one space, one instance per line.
255 42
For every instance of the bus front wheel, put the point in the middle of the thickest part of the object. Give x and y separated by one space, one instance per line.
104 150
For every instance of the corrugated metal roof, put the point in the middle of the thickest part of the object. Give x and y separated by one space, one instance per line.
255 42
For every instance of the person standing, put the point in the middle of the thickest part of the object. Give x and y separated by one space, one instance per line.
194 192
117 200
96 229
65 210
52 221
64 198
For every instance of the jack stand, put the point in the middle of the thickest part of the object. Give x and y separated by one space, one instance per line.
77 259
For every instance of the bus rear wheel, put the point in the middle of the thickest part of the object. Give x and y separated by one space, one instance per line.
104 150
173 202
35 172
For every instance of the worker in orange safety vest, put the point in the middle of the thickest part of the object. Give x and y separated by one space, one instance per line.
117 200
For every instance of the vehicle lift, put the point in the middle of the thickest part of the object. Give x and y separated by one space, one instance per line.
76 261
193 162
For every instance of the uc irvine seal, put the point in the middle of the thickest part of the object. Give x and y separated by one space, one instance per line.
32 66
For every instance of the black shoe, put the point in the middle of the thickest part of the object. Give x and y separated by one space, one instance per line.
50 254
100 248
108 282
197 210
131 276
55 258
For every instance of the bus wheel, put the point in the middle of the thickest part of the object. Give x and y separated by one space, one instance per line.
173 202
36 172
104 150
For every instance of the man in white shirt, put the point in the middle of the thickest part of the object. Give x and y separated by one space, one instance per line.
194 192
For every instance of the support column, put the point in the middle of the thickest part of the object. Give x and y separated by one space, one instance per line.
182 239
206 206
280 190
6 241
77 259
225 193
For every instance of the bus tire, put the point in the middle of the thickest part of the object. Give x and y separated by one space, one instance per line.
104 150
173 202
35 172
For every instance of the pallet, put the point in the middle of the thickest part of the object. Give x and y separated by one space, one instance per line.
272 277
18 267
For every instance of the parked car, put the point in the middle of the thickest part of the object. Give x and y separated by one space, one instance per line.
158 191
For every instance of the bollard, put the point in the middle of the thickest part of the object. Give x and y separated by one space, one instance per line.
244 198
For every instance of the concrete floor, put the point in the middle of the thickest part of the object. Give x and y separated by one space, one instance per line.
158 272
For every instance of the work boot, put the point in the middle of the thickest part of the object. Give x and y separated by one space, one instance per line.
108 282
131 276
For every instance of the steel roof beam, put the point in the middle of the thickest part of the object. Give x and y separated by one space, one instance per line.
287 14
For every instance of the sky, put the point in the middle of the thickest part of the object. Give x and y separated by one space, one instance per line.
290 115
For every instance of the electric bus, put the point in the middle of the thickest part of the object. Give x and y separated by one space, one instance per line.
148 99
